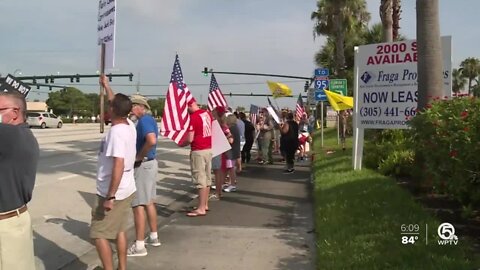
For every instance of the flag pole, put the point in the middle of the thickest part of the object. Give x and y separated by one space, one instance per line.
276 103
338 128
321 120
102 91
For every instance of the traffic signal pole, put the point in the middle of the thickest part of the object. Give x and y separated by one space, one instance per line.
307 83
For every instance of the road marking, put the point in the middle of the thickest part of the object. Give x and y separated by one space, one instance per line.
68 176
88 158
168 150
63 164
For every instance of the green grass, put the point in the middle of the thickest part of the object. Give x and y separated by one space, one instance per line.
358 216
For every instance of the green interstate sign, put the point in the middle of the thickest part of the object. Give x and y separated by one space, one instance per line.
338 86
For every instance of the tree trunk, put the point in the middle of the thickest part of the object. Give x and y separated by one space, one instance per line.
339 45
386 13
430 63
396 11
470 80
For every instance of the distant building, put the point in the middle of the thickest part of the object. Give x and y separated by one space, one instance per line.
37 106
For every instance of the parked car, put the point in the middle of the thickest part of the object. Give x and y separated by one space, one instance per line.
43 120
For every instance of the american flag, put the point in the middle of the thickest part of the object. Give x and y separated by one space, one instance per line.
215 95
175 119
300 109
254 110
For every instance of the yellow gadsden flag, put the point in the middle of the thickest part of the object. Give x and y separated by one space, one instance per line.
279 89
339 102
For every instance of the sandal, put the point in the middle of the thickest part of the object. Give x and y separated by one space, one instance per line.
195 214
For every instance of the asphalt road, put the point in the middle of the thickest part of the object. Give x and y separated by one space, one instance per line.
65 190
267 224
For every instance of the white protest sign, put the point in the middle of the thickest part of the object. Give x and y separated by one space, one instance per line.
272 112
106 30
387 83
220 143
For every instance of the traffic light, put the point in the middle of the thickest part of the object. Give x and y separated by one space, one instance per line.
77 79
205 72
307 85
52 80
110 77
71 79
130 77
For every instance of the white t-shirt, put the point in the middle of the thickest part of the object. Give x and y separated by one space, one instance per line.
120 141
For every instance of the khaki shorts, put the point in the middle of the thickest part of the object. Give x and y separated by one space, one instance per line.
107 224
201 167
16 243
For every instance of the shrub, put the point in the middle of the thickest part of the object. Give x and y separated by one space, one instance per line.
389 151
447 136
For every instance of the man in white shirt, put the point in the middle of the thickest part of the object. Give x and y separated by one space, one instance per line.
115 182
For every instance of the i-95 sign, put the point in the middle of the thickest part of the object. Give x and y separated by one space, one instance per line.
321 84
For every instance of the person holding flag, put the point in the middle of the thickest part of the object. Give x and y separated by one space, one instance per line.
266 126
186 124
199 137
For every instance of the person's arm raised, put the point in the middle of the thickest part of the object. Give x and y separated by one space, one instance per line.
106 86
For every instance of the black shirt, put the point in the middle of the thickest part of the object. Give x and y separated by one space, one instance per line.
249 130
292 134
236 141
19 155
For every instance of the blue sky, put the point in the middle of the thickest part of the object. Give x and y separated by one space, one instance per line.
264 36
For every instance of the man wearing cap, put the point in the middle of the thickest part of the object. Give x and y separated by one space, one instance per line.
19 155
146 170
199 137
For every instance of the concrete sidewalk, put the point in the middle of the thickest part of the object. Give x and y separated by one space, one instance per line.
266 224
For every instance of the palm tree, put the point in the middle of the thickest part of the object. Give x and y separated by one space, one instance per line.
396 11
470 69
386 15
326 56
430 66
374 34
334 18
458 81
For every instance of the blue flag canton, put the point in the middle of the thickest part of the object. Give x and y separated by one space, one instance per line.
213 84
177 76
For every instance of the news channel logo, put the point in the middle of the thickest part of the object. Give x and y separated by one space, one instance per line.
446 232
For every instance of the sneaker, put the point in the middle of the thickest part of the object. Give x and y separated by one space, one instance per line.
289 171
152 241
134 252
230 188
